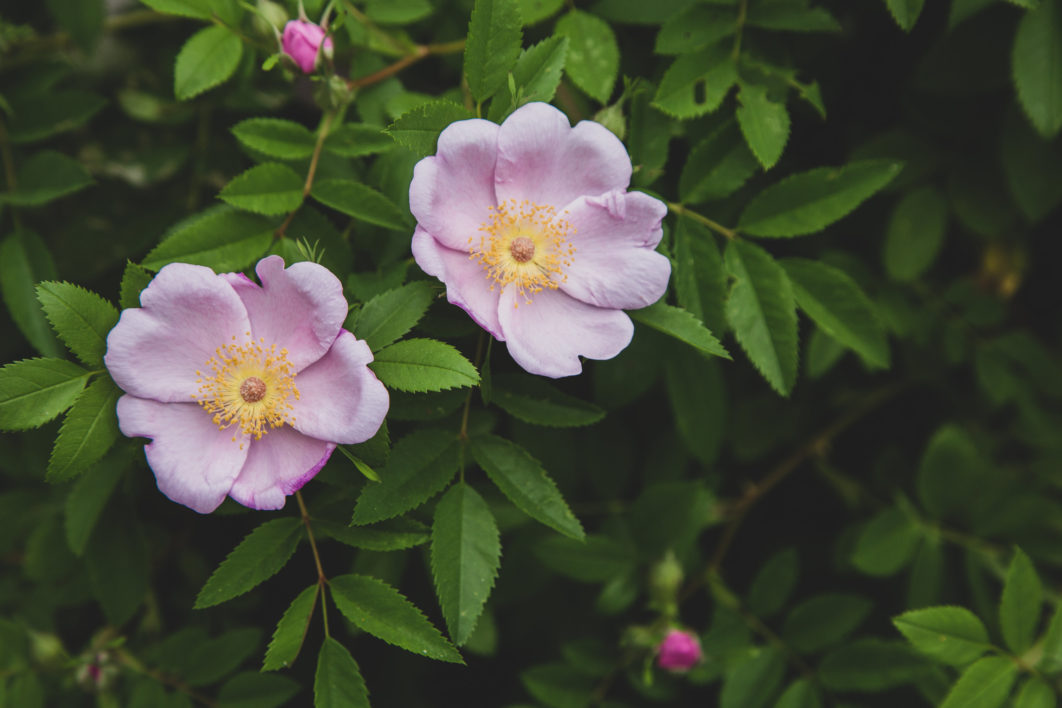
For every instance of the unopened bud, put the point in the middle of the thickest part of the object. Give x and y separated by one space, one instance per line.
679 652
665 579
302 41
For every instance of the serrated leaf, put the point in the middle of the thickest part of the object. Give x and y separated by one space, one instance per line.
822 620
359 201
535 401
46 114
905 12
45 177
134 279
269 188
533 11
24 262
521 478
593 54
810 201
198 9
839 307
1021 603
696 84
395 535
1037 66
953 635
251 689
791 18
465 555
763 122
86 500
258 557
421 365
494 39
377 608
717 166
695 28
81 318
915 234
886 543
338 682
421 464
87 432
291 631
537 74
34 391
676 322
1035 694
700 279
761 310
418 130
952 473
275 137
220 238
391 314
358 139
208 58
985 684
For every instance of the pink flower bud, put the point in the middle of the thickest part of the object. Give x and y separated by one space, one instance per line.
301 41
679 652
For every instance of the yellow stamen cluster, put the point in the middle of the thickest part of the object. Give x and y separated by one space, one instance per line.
248 384
526 245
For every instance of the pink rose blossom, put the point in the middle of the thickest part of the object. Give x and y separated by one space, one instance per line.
301 41
244 390
679 652
531 227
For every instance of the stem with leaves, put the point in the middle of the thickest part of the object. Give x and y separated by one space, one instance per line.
322 133
322 579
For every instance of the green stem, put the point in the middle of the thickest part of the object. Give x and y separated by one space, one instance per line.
322 133
739 28
680 210
322 579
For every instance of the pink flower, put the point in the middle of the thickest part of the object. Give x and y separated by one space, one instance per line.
301 41
679 652
244 390
531 227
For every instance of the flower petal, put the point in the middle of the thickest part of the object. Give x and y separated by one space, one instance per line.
547 336
300 308
543 159
467 285
451 191
615 265
277 465
340 398
186 312
194 462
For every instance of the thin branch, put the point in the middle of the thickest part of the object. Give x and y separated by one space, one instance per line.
322 133
322 579
680 210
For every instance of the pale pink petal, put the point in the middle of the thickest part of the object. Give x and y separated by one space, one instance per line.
544 160
300 308
277 465
340 399
548 336
194 462
186 313
467 285
615 265
450 192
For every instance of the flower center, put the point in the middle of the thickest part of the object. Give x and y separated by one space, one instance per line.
526 245
248 384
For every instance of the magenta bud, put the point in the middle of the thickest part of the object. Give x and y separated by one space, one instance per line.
679 652
301 41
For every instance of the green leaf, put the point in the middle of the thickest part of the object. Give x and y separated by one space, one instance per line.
359 201
134 279
521 478
677 323
1035 694
773 584
764 123
762 312
537 75
251 689
696 84
220 238
532 400
915 234
87 432
788 17
871 665
118 564
810 201
395 535
905 12
81 318
338 682
800 694
418 130
717 166
83 19
697 395
886 543
558 685
391 314
951 473
839 307
1037 66
291 631
1029 165
985 684
823 620
25 261
952 635
377 608
535 10
1051 658
752 681
357 140
275 137
593 55
700 279
46 114
269 188
1021 603
595 559
494 39
45 177
86 500
198 9
258 557
34 391
359 463
695 28
465 555
421 464
208 58
421 365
